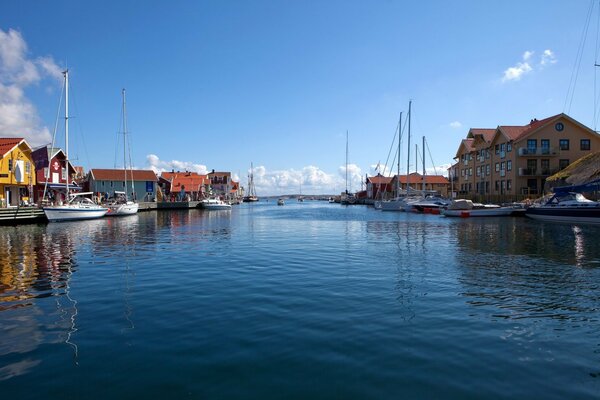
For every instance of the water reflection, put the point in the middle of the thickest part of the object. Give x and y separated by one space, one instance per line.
530 271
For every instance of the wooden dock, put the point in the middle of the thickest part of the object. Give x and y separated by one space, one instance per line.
22 215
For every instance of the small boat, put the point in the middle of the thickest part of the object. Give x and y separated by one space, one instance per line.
121 206
252 197
331 200
466 208
214 204
569 207
280 202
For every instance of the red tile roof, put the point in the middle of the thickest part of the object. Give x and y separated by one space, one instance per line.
7 144
379 179
119 174
416 177
487 134
515 133
190 182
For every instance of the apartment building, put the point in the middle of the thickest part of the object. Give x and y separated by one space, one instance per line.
512 162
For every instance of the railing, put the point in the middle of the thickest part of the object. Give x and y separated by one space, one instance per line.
537 171
538 151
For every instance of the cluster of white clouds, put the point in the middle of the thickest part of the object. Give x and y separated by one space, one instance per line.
157 165
310 179
528 64
18 115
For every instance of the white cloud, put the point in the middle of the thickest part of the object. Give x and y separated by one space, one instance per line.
521 68
157 165
455 124
548 58
18 116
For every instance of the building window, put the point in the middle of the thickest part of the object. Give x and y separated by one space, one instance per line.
487 169
563 144
10 164
585 144
562 164
509 165
497 167
502 166
497 185
509 185
497 148
478 171
508 147
531 146
46 173
28 167
545 166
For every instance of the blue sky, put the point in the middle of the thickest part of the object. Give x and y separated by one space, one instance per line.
221 84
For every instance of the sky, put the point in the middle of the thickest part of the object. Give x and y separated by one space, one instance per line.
222 84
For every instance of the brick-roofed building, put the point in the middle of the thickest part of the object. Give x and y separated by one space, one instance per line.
103 181
379 186
17 175
184 185
515 161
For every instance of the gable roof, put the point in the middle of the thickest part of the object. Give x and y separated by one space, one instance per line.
467 144
516 133
7 144
415 177
119 174
189 180
379 179
487 134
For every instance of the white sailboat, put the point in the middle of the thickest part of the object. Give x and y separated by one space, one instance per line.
77 206
252 197
347 197
121 204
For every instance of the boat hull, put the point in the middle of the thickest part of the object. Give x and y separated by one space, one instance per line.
490 212
119 210
565 215
61 213
216 207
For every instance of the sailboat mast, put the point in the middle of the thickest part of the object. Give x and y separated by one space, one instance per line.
125 143
399 142
66 75
346 162
408 152
423 163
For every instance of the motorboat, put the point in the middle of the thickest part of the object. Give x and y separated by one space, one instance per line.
569 207
214 204
466 208
280 202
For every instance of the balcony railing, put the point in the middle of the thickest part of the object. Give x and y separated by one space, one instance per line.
537 171
538 151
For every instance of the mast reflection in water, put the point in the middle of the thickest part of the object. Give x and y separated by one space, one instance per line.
308 300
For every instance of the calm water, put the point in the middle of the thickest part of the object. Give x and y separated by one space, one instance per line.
309 300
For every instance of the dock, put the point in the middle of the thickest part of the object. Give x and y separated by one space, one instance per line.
22 215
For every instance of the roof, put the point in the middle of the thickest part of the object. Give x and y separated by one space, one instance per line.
119 174
219 173
515 133
379 179
7 144
416 177
189 180
486 133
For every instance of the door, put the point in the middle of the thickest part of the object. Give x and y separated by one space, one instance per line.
55 178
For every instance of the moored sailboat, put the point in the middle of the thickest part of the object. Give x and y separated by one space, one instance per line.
77 206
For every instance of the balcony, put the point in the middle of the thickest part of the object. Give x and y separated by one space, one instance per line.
538 152
537 171
502 172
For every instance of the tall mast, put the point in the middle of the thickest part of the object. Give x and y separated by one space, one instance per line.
423 163
399 137
346 162
125 146
408 152
66 75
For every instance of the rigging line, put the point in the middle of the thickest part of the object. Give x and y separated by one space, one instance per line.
430 157
391 147
62 91
80 126
578 58
595 65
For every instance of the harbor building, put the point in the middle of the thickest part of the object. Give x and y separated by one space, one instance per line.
181 185
511 163
51 173
107 181
17 174
381 187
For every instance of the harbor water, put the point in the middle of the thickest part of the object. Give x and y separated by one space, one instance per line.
309 300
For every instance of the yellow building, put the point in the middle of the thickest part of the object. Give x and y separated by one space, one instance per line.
512 162
17 174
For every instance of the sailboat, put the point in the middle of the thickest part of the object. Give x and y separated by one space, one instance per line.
347 197
399 202
77 206
252 197
121 204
